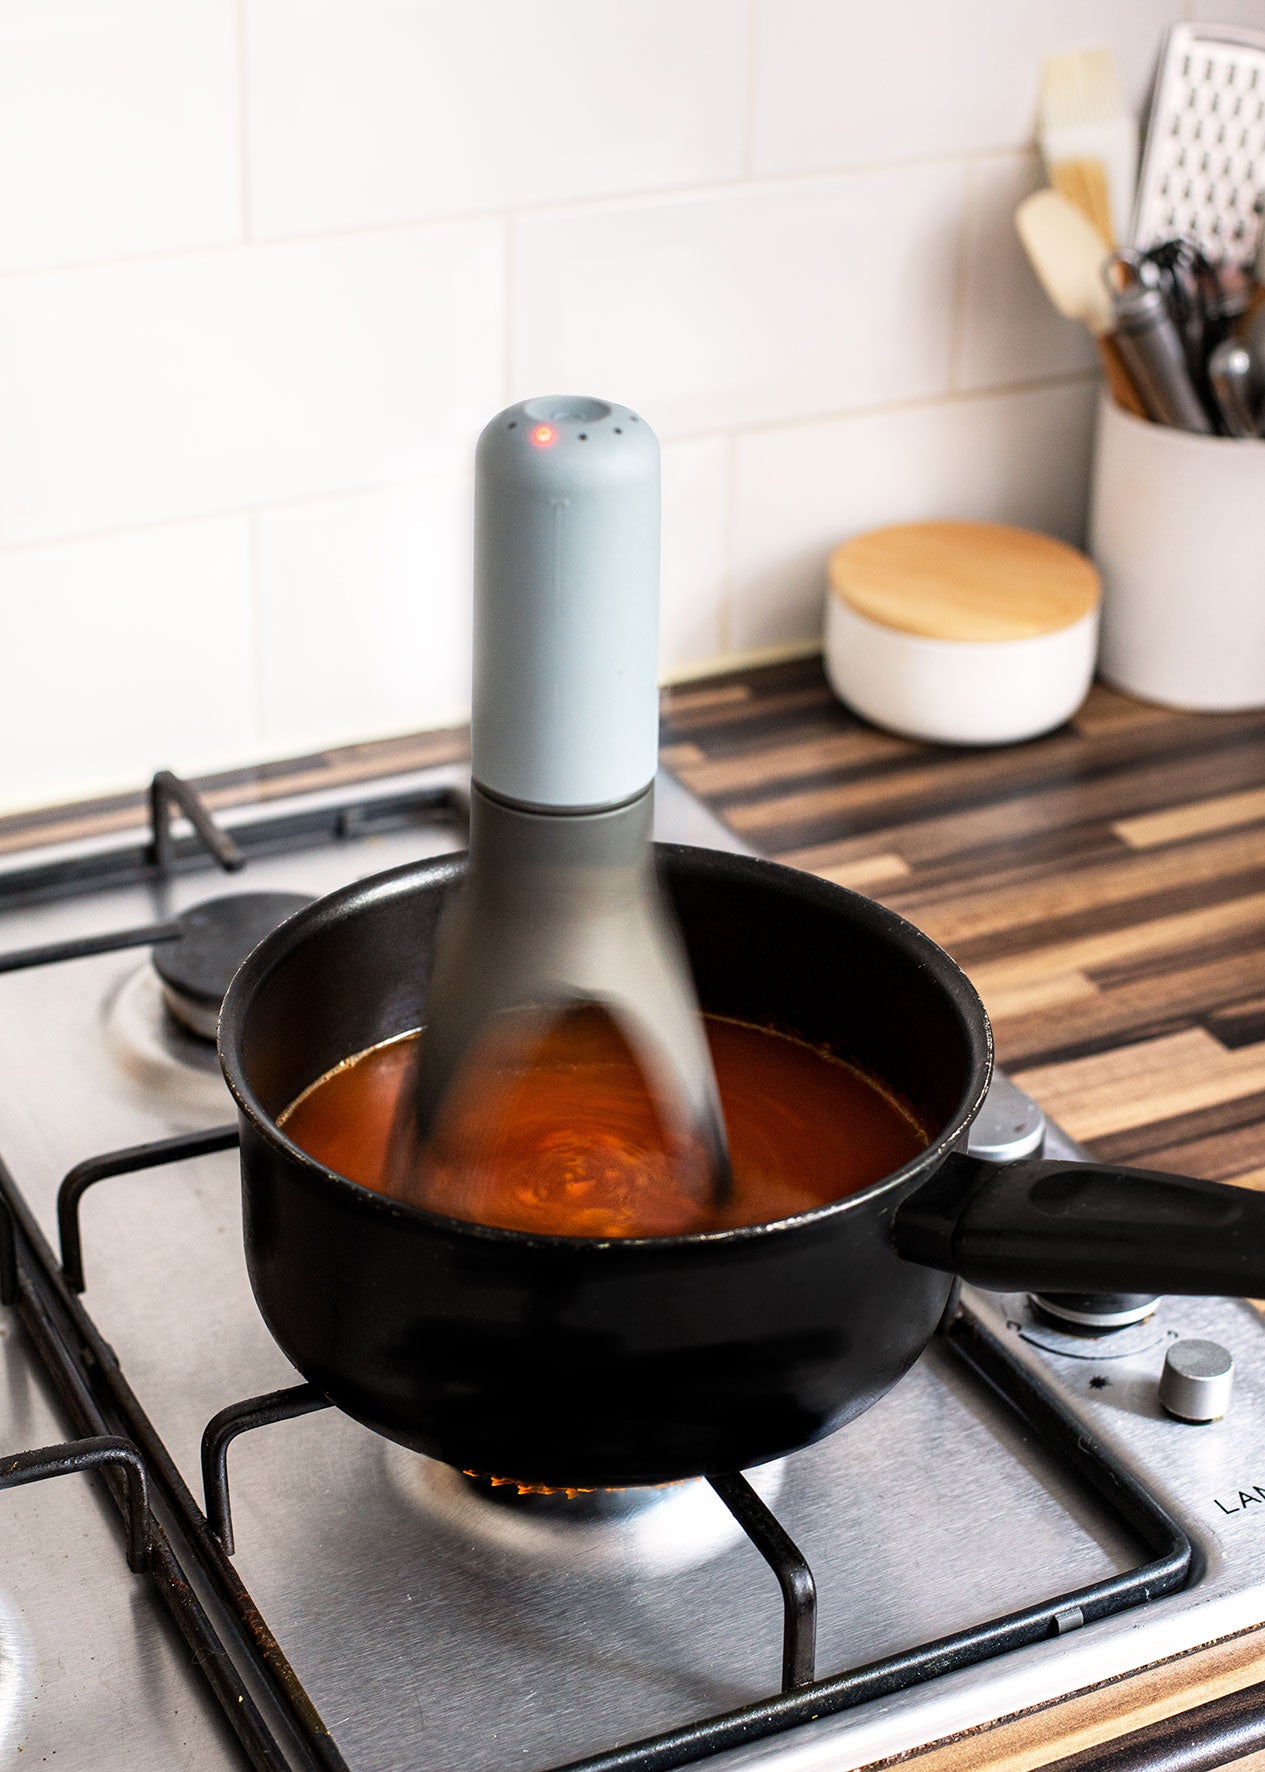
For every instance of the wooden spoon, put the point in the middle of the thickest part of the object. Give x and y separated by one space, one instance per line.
1067 253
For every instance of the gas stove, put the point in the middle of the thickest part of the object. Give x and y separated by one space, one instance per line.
1018 1520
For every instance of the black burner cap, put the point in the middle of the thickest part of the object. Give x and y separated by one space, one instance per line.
218 935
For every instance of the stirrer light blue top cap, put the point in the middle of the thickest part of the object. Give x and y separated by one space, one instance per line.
566 604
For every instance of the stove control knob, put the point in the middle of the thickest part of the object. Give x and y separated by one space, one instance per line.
1196 1380
1008 1126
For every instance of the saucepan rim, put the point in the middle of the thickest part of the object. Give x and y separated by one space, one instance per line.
252 976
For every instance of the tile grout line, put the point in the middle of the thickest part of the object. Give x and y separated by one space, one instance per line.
915 403
549 209
243 127
966 248
815 421
253 567
509 268
747 158
728 567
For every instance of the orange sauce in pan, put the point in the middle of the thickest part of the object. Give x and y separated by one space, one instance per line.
565 1140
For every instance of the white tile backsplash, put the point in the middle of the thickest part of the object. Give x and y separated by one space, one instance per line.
142 392
1011 331
1230 12
364 601
371 111
696 486
267 266
123 655
118 128
844 84
1018 458
748 307
364 614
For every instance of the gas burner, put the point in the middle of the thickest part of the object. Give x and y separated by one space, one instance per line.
1073 1341
571 1505
197 966
1094 1313
161 1060
161 1018
672 1526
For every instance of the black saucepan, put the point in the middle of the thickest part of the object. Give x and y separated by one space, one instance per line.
576 1361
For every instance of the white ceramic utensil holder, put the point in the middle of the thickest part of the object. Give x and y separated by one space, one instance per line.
1177 529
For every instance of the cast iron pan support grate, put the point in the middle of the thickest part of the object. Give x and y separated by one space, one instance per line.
98 1452
115 1432
159 852
795 1578
168 791
223 1429
125 1162
165 791
8 1257
1061 1433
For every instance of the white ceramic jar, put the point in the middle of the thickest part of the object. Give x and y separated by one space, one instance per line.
1177 528
962 633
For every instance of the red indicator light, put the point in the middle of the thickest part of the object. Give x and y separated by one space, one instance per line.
543 435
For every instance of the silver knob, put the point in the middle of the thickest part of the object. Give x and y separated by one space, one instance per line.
1196 1380
1009 1124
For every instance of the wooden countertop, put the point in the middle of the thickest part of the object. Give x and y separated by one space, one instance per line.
1105 889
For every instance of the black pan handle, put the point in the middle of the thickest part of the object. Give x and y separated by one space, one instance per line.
1038 1226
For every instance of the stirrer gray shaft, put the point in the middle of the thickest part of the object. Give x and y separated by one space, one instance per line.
557 912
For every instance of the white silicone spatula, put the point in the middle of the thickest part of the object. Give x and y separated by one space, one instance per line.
1068 254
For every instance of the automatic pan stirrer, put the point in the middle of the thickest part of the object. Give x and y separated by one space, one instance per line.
561 907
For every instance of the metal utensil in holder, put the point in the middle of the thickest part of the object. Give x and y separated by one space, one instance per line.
1154 352
1230 376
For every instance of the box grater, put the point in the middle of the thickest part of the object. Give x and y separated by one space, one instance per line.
1203 164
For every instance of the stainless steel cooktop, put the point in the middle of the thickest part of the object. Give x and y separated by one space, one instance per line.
432 1627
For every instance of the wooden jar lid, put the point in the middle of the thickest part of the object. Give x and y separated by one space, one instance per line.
964 581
